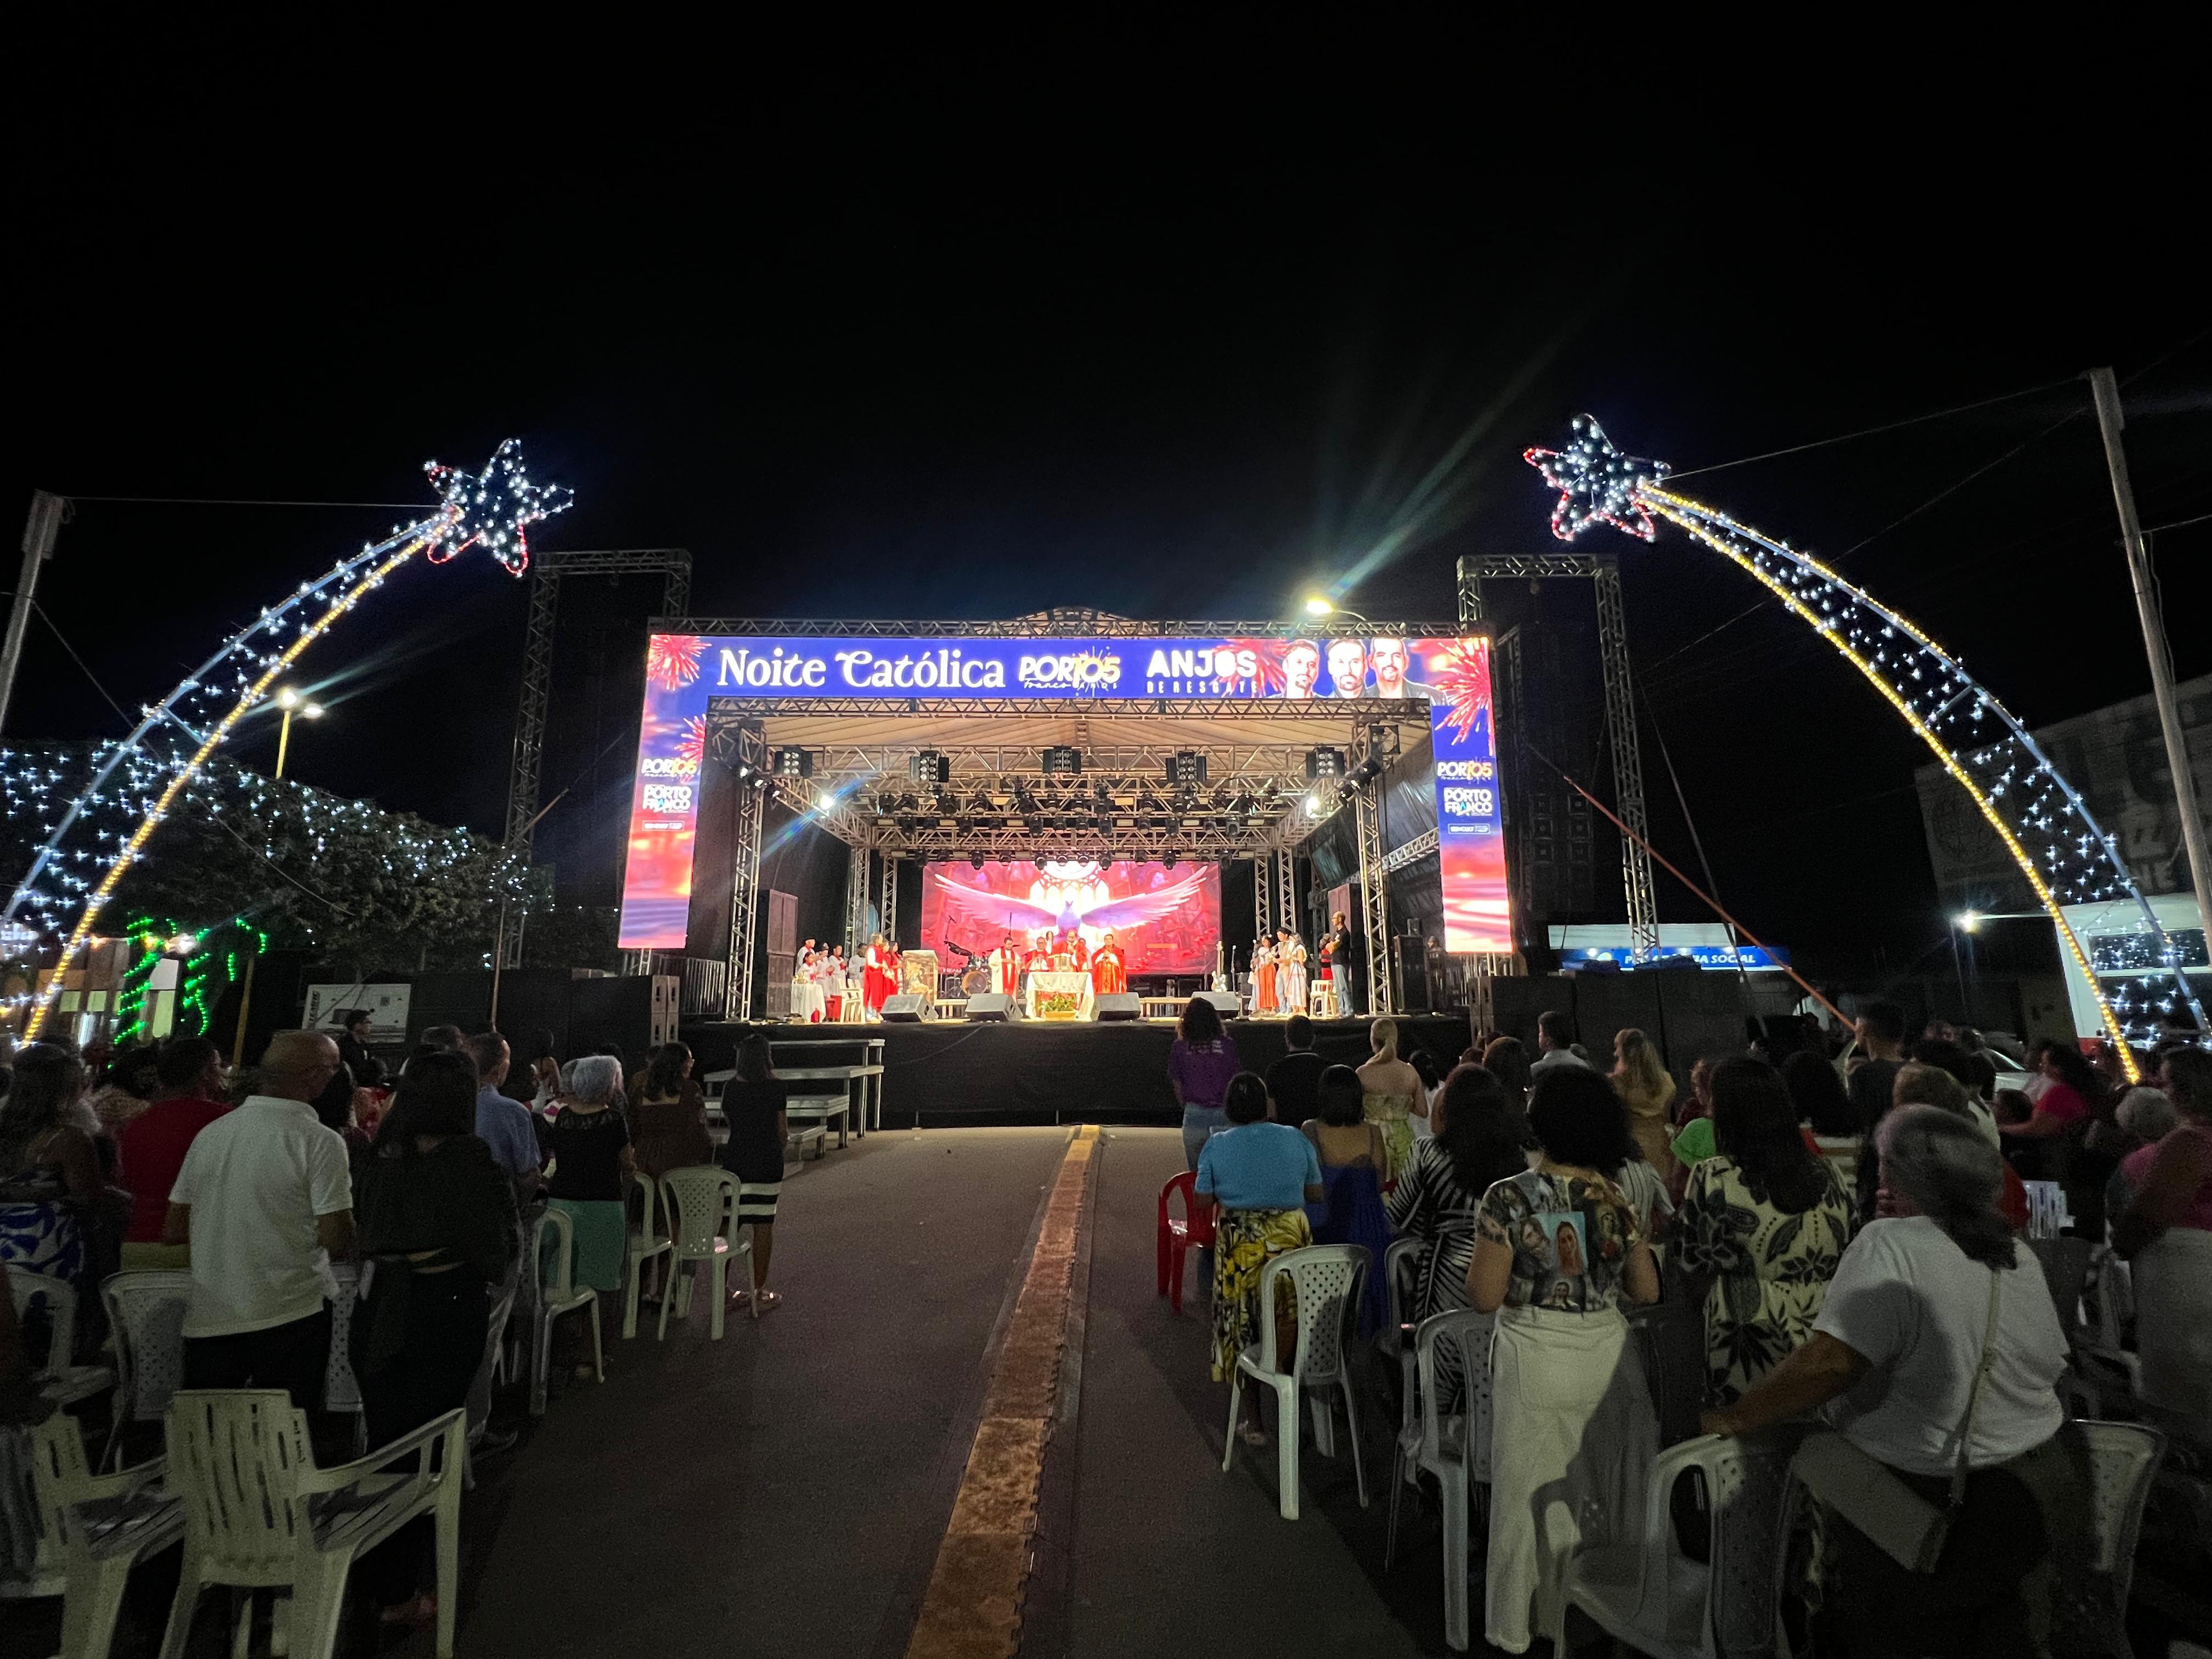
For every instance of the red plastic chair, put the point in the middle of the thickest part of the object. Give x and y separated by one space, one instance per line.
1194 1229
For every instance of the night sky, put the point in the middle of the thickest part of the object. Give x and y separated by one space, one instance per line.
1159 390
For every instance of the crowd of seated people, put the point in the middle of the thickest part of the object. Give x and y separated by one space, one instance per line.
256 1189
1849 1225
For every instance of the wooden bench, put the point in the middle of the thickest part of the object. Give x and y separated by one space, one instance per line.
817 1110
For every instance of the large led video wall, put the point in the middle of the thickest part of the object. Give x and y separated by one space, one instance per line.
684 672
1164 921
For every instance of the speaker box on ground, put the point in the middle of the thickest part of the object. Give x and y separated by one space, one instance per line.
1117 1005
1227 1004
904 1009
992 1005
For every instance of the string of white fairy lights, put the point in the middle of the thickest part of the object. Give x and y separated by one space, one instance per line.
492 509
2041 819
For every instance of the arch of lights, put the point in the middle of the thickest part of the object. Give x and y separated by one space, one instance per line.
492 509
2041 819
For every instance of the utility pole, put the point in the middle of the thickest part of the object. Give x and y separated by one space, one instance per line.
2109 422
39 529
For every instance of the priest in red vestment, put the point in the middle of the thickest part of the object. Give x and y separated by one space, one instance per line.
1106 974
1007 967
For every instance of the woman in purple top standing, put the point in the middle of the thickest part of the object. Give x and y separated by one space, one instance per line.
1200 1067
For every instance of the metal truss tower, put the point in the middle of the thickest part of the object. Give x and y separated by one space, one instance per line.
743 748
674 563
1637 881
1377 742
887 912
856 899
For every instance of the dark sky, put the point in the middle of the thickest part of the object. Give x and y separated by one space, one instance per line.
1157 386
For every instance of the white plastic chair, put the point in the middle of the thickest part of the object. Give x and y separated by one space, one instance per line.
1645 1592
1327 1278
556 1295
259 1513
1453 1446
647 1242
479 1403
146 1312
93 1529
58 1381
2124 1462
341 1388
1402 1281
701 1201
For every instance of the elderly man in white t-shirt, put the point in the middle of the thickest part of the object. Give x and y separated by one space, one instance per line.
264 1198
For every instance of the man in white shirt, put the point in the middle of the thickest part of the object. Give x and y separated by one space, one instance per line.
1555 1041
264 1198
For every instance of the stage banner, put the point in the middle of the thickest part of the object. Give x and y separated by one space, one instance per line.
685 672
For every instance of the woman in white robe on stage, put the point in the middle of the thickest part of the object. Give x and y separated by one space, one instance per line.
1291 974
806 1000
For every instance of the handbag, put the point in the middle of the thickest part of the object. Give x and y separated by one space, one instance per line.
1905 1526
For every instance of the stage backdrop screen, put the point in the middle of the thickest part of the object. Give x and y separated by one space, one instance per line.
685 672
1166 921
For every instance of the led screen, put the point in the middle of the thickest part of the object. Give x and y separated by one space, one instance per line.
685 672
1166 921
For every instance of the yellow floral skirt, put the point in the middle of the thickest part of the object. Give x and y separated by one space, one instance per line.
1244 1242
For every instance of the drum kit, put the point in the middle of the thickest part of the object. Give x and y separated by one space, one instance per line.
975 970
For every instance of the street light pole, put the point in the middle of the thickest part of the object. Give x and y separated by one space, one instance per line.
2110 421
39 530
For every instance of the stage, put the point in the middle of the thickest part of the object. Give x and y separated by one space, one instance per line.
937 1074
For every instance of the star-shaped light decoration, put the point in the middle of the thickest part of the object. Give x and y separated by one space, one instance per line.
1596 482
493 509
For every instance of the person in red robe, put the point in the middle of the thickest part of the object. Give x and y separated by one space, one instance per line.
877 981
1107 977
1079 950
1006 966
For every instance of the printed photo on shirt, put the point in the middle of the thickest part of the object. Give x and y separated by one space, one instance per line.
1564 1239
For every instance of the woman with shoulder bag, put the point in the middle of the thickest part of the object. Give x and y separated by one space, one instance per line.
1958 1491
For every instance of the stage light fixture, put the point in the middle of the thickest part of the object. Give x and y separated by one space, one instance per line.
975 861
1187 767
1324 763
824 801
1063 760
1315 806
1172 860
928 767
794 763
980 802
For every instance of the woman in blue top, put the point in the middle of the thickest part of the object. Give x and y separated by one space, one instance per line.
1261 1175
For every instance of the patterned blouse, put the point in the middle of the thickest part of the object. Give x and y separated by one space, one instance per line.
1769 1270
1571 1238
1430 1203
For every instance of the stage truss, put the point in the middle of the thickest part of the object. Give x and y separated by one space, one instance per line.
993 800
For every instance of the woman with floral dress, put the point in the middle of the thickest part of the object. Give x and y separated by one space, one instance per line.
1394 1096
1764 1222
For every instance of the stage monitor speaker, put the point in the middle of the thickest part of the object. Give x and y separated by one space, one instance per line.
904 1009
1117 1005
993 1006
1227 1004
